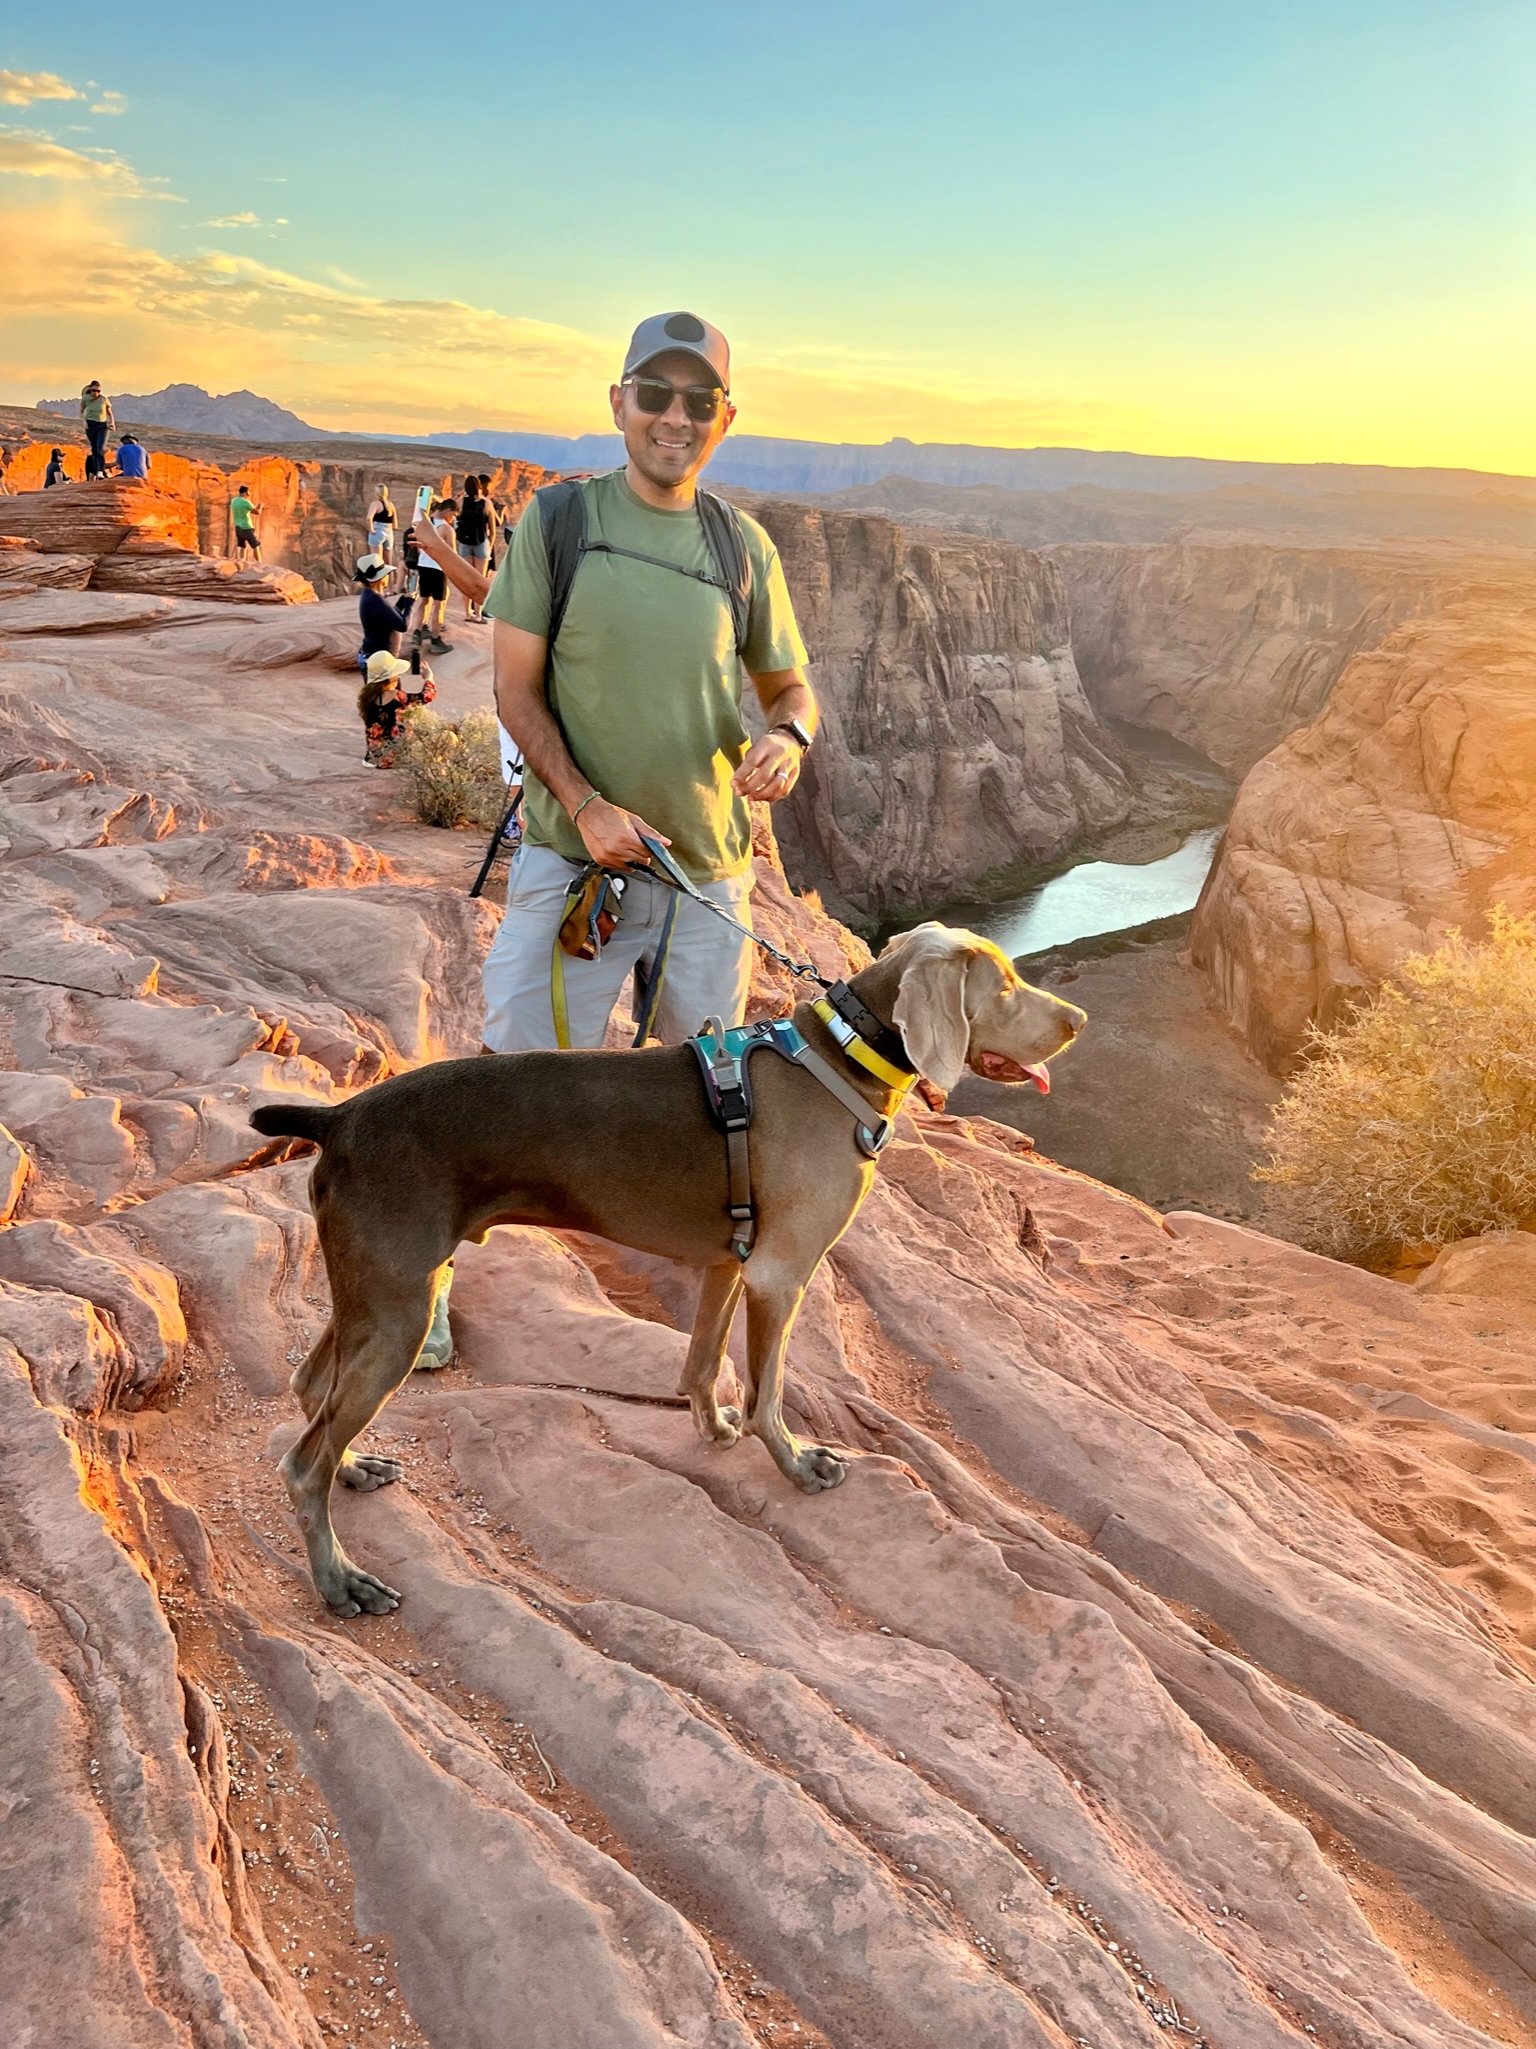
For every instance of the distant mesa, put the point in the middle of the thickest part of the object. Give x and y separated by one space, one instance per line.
243 415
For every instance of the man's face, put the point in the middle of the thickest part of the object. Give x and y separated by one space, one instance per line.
668 448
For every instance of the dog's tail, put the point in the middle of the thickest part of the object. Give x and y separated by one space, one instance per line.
295 1120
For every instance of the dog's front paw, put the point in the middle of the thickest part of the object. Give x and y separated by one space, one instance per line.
817 1468
366 1470
351 1591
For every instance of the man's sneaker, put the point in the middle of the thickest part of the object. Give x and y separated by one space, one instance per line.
437 1348
439 646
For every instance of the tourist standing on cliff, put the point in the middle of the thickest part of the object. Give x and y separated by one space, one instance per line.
243 515
642 732
382 520
96 411
472 531
493 514
433 585
132 458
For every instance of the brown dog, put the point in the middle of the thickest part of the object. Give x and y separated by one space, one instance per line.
621 1145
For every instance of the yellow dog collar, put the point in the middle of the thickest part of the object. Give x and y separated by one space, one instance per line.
857 1049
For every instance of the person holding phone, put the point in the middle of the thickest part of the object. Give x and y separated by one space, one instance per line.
432 584
641 734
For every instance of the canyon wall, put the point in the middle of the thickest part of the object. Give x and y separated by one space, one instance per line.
125 537
1230 648
314 513
956 740
1407 807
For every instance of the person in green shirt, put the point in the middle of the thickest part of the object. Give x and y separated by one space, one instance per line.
639 730
242 514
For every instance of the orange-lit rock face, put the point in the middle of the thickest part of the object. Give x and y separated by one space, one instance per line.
314 514
98 518
1407 807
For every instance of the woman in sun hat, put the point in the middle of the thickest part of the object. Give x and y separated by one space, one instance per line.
382 622
383 701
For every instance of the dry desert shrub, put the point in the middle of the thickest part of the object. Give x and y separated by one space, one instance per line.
1414 1123
453 768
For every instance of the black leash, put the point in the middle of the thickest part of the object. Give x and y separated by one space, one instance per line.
665 869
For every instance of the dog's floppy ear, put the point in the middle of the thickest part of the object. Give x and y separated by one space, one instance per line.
930 1012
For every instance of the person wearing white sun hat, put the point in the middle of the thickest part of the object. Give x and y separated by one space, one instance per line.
384 700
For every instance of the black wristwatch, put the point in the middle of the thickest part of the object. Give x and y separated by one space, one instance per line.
795 731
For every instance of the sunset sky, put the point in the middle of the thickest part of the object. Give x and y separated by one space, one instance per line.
1287 232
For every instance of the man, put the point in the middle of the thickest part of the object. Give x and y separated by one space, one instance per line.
132 457
641 735
243 514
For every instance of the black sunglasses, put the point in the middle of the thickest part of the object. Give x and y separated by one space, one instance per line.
654 394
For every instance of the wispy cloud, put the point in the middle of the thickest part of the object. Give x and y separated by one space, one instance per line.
235 220
24 88
110 103
25 153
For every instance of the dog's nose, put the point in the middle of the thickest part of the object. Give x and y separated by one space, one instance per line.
1072 1022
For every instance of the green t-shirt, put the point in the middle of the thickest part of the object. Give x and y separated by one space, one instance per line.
647 683
243 510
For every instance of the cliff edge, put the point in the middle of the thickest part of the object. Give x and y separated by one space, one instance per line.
1162 1671
1407 807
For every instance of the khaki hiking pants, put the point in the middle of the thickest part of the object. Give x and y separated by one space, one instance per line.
708 968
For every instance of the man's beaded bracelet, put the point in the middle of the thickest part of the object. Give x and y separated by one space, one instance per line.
590 798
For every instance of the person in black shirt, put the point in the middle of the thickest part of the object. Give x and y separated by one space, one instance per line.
472 530
382 622
55 473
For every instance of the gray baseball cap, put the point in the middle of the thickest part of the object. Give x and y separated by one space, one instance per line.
685 331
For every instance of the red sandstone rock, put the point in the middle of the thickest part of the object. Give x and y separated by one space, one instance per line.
1408 807
1005 1741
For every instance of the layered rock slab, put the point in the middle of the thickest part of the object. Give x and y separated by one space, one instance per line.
1408 807
997 1740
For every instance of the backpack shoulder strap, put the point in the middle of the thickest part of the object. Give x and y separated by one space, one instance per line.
563 517
722 531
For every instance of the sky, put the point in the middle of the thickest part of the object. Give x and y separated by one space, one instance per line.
1301 232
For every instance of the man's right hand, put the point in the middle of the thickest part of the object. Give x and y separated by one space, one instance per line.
613 836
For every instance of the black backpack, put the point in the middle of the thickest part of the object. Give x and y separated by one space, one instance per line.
563 517
473 525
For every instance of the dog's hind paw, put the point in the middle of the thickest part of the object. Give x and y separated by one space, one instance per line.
356 1592
817 1468
366 1470
722 1426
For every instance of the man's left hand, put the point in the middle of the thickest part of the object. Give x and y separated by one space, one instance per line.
771 768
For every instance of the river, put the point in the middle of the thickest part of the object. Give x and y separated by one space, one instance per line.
1095 897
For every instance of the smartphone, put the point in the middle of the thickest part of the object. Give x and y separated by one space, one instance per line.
423 500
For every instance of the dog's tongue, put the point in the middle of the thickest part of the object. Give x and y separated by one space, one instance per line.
998 1067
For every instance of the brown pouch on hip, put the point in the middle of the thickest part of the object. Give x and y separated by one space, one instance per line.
593 906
